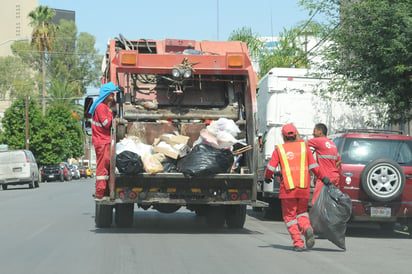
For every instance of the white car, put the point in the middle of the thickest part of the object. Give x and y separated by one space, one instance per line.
18 167
75 171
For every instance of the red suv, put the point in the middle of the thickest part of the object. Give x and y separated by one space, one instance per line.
376 173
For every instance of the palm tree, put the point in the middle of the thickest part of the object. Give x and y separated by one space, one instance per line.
42 39
66 93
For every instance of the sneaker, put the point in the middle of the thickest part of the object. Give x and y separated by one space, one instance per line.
309 238
298 249
102 199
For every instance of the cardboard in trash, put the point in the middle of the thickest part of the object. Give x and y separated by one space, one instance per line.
171 146
174 139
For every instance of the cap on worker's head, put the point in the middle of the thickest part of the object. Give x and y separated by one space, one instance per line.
289 130
108 88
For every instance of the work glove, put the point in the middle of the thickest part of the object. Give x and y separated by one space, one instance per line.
268 181
326 181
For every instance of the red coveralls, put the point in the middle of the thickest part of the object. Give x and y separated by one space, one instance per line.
296 160
101 123
327 155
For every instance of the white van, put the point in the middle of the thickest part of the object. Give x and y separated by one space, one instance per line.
18 167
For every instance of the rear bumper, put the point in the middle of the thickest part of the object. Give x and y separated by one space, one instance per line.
363 211
176 188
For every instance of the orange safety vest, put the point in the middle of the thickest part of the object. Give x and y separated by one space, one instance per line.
294 163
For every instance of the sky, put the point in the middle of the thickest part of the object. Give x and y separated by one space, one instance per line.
180 19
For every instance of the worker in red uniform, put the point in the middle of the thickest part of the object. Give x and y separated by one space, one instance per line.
102 117
327 157
295 159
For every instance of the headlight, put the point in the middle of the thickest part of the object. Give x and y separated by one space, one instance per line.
176 72
187 73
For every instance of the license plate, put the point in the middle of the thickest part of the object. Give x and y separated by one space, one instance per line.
383 212
51 176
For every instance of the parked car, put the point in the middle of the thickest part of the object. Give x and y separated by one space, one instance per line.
89 172
68 176
18 167
52 173
376 173
82 171
75 171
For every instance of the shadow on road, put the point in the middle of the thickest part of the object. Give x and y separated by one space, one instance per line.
154 222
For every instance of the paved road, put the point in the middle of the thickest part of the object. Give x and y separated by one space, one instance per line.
51 230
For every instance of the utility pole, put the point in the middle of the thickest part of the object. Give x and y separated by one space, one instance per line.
217 19
27 122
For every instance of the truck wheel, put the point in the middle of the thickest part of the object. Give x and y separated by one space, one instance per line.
124 215
235 216
201 211
103 215
383 180
274 211
215 216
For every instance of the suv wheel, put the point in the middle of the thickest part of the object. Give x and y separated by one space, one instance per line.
383 180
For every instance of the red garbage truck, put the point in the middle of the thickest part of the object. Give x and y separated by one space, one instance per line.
181 87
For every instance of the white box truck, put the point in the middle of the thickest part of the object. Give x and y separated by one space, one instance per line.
289 95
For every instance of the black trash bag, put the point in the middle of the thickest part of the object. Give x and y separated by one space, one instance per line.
330 214
170 167
129 162
205 160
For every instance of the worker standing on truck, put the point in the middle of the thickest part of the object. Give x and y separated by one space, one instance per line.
102 117
295 159
327 157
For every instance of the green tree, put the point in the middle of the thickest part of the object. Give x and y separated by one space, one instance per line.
75 60
370 53
14 125
253 43
289 52
16 78
53 138
62 136
42 39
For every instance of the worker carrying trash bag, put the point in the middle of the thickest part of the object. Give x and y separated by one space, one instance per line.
330 214
295 159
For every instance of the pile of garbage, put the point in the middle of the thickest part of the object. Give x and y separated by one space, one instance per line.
211 153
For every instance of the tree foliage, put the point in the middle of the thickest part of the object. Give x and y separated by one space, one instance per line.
52 138
16 79
371 52
254 44
289 52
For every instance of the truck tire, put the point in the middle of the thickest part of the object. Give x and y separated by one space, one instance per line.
383 180
235 216
124 215
274 210
103 215
201 211
215 216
